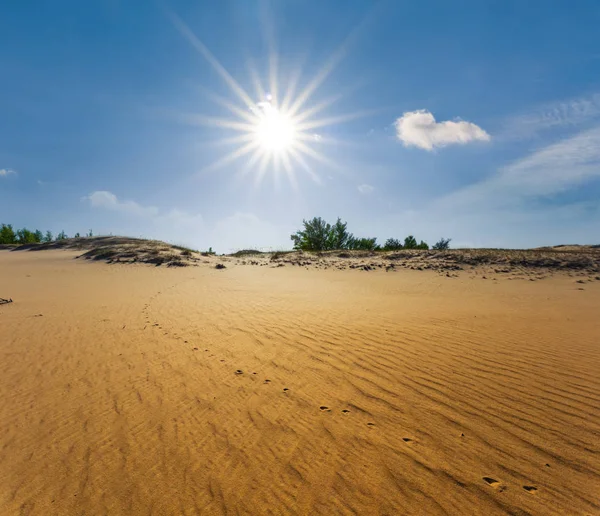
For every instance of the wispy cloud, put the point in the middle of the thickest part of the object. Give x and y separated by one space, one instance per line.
5 172
550 170
365 189
570 113
420 129
107 200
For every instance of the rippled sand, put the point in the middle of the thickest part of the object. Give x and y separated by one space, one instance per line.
133 389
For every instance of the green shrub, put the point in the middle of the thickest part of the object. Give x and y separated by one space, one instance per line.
7 234
442 244
392 244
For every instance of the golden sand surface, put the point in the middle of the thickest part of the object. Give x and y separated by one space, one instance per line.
134 389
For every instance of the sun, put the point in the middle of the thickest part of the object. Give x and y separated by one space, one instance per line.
275 131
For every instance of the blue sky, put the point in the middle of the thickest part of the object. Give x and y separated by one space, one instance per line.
475 120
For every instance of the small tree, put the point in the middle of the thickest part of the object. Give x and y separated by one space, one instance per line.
48 237
38 235
314 237
363 244
339 237
90 234
77 235
442 244
410 242
392 244
61 236
24 236
7 234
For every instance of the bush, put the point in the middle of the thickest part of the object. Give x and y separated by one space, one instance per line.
442 244
410 242
363 244
392 244
24 236
7 234
319 235
316 236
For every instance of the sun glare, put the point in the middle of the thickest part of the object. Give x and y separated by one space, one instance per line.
276 134
275 131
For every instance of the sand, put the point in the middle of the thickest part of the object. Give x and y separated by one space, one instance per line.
134 389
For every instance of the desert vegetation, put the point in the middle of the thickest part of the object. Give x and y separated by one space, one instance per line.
319 235
11 236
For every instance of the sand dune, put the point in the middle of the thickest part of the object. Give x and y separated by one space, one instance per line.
132 389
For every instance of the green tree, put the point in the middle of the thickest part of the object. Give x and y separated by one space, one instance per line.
48 237
410 242
61 236
363 244
39 236
90 234
442 244
24 236
77 235
7 234
339 238
392 244
315 236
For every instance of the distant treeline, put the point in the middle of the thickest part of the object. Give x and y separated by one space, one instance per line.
319 235
8 235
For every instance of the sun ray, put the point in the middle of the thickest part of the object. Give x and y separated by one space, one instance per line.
187 33
287 166
231 157
235 110
308 151
315 124
291 88
259 90
317 108
298 157
241 138
197 119
262 169
274 134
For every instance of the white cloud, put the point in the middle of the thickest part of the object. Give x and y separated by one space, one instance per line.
365 189
109 201
5 172
174 222
419 129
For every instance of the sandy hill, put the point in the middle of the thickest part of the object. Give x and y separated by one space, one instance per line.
409 383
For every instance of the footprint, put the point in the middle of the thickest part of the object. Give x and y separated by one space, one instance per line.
195 349
239 371
407 439
530 489
346 411
267 381
494 483
285 389
370 424
323 408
